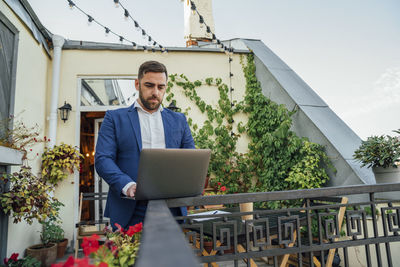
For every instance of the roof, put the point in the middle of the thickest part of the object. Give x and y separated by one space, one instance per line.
25 12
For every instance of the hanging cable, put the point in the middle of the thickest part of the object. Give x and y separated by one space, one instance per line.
137 26
108 30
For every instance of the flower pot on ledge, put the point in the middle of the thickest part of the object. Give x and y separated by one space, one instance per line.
10 156
387 175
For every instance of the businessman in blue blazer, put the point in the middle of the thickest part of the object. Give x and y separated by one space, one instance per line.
126 131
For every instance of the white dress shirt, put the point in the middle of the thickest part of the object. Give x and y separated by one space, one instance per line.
151 130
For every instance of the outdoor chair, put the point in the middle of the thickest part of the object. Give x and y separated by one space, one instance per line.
90 227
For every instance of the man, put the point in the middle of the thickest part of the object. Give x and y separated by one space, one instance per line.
123 134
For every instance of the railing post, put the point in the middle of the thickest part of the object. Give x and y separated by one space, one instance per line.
163 243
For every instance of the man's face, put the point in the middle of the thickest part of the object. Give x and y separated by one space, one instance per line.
151 89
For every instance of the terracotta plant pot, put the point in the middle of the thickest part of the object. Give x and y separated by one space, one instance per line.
46 255
246 207
61 247
208 246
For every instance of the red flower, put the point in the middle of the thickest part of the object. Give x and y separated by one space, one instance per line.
45 138
218 183
14 256
71 262
134 229
223 188
90 244
138 227
114 250
103 264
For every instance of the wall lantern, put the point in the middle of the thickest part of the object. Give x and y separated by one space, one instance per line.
172 106
64 111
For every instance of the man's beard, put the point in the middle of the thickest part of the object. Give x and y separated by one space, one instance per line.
146 103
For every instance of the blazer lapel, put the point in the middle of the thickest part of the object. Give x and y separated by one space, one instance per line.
134 119
167 129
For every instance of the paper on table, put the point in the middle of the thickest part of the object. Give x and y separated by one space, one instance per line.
212 212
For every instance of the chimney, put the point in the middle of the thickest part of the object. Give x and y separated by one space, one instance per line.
196 32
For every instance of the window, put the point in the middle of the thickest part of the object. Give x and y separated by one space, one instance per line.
108 92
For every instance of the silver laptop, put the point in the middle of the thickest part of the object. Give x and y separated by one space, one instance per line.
171 173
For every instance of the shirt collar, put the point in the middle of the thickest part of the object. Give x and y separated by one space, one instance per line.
138 106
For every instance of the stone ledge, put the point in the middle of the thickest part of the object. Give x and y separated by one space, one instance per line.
9 156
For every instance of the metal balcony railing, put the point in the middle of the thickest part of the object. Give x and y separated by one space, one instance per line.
319 227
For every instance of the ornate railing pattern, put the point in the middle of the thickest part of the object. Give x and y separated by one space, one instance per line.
308 232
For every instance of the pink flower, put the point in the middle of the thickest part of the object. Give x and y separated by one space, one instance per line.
120 229
223 188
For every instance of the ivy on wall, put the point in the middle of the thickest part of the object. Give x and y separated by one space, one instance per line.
277 159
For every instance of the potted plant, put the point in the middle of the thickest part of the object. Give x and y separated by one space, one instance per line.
382 153
46 252
16 141
58 161
27 198
54 230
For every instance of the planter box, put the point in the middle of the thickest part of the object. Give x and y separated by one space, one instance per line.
9 156
387 175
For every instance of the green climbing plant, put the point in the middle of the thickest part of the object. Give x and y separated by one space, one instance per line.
277 159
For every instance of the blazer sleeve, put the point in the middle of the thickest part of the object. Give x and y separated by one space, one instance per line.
106 155
187 139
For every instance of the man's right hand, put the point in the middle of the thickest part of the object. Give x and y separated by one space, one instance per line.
131 191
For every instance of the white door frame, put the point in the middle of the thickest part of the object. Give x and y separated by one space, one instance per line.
80 109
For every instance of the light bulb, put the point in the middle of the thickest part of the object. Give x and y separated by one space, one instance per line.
90 19
71 4
116 2
126 14
107 32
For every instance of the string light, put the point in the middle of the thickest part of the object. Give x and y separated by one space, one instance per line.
108 31
136 25
71 4
90 19
193 7
214 38
151 42
116 3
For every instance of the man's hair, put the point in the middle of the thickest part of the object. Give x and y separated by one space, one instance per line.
151 66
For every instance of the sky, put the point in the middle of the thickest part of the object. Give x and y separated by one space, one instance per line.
348 52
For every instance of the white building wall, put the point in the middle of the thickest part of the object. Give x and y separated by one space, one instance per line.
30 103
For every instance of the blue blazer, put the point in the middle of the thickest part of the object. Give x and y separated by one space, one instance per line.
118 150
